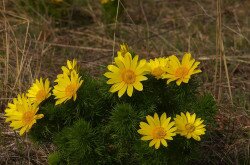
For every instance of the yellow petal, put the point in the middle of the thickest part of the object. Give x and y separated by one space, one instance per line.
157 144
178 82
138 86
143 132
117 87
39 116
127 61
114 80
113 69
119 63
21 132
134 62
163 118
163 142
130 90
122 90
166 122
152 142
186 58
141 78
170 125
146 138
188 117
192 118
144 125
156 119
175 61
196 137
150 120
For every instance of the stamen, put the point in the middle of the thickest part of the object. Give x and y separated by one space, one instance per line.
70 90
41 95
190 127
159 133
181 72
28 117
128 76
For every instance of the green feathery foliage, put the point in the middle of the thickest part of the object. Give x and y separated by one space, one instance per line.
110 9
93 104
101 128
78 143
64 13
55 159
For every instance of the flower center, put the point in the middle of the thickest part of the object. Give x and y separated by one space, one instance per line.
181 72
190 127
159 133
157 72
128 76
41 95
70 90
28 117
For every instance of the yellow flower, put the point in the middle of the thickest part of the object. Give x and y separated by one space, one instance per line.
181 72
126 74
158 67
39 91
157 130
67 87
71 66
22 114
57 1
123 50
189 127
104 1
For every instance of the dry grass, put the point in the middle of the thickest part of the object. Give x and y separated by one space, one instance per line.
220 38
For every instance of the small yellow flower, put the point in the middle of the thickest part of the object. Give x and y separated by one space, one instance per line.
104 1
181 72
22 114
157 130
158 67
123 50
57 1
67 87
71 66
126 74
39 91
189 127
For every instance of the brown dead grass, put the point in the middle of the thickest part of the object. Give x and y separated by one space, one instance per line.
31 48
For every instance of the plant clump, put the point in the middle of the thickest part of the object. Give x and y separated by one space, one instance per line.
161 119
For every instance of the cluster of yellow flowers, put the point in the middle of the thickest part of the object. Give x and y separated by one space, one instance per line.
127 72
160 130
22 113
